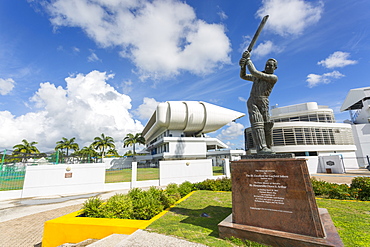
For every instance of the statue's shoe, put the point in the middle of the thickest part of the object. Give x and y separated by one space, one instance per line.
265 150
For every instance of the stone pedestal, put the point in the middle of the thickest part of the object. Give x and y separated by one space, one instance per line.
274 204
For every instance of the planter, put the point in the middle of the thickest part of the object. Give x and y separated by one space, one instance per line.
72 229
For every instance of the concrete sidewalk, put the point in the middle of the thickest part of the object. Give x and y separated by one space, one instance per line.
345 178
22 220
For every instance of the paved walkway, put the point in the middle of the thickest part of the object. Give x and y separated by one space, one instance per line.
22 220
27 231
344 178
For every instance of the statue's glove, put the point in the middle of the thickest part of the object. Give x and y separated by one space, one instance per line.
246 55
242 62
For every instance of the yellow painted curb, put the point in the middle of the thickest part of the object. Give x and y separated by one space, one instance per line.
72 229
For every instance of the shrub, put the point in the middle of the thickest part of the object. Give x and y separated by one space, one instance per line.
92 207
173 191
321 188
185 188
223 184
342 192
165 199
145 204
362 184
118 206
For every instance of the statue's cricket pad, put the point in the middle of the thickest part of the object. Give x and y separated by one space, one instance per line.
274 204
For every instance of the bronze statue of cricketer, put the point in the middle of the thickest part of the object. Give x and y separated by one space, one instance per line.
258 102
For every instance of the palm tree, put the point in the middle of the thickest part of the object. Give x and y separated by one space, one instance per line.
102 143
131 140
113 152
25 148
87 152
67 144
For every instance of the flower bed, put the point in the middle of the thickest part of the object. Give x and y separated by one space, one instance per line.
72 228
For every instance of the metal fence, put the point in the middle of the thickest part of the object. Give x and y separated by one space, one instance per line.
12 176
13 165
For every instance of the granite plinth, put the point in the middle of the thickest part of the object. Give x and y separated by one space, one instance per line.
270 237
274 197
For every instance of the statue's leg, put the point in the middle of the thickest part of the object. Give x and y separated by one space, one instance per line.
268 124
256 120
258 134
268 133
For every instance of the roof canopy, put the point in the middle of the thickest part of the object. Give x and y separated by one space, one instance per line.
191 117
354 99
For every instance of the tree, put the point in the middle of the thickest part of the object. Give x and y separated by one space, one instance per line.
87 153
102 143
113 152
67 144
131 140
25 148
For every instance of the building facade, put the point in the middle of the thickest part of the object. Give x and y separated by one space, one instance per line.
309 130
177 131
357 103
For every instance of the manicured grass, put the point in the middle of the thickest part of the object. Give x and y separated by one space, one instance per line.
351 218
147 174
116 176
218 170
185 220
124 175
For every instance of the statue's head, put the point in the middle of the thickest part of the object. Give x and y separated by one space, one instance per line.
271 66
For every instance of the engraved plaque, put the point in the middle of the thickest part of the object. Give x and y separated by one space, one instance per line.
275 194
68 175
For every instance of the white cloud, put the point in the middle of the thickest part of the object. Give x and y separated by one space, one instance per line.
232 131
290 17
222 15
265 48
93 57
87 107
146 109
242 99
6 86
337 59
127 86
161 37
313 79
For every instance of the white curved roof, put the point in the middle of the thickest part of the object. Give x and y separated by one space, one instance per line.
191 117
354 98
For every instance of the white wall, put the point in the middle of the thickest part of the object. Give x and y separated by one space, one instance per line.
178 171
187 148
63 179
361 134
312 163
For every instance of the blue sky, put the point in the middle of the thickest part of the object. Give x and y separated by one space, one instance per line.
79 68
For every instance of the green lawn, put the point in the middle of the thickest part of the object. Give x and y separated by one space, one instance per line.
116 176
124 175
351 218
218 170
147 174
